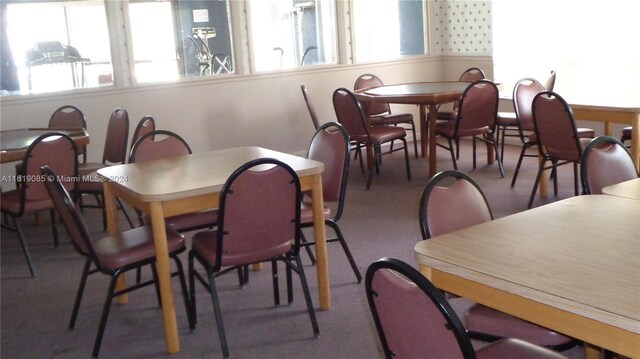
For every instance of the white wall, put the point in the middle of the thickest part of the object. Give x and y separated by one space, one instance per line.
263 110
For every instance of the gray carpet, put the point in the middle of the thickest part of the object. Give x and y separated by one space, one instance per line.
380 222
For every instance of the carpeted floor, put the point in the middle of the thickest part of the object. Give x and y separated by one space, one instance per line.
380 222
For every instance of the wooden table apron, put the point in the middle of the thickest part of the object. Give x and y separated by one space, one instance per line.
160 209
608 115
428 96
447 261
23 138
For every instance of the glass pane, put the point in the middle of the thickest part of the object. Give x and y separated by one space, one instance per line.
57 45
387 29
205 38
293 33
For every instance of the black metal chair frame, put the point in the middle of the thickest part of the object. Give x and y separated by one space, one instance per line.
291 260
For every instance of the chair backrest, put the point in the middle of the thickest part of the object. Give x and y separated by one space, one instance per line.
478 106
555 127
349 113
310 107
68 212
523 93
472 74
367 81
147 124
550 82
261 224
330 145
451 200
412 317
605 161
158 144
115 145
69 117
56 150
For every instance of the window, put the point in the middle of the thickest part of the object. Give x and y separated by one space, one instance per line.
589 48
56 45
292 33
387 29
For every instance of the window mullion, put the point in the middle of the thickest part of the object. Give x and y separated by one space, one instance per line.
119 39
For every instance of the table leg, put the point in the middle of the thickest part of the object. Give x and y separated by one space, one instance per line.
320 237
608 126
111 210
423 130
164 277
433 112
635 140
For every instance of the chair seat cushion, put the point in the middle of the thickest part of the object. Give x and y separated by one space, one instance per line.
382 134
306 213
482 319
392 119
132 246
11 203
448 129
447 115
192 221
507 119
90 183
516 349
586 132
626 132
204 244
87 168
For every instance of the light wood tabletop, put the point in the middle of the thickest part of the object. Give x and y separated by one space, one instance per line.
14 143
627 189
186 184
429 96
572 266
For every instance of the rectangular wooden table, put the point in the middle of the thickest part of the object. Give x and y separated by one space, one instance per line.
186 184
627 189
14 143
429 96
572 266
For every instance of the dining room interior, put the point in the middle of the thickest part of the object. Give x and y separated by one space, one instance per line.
228 84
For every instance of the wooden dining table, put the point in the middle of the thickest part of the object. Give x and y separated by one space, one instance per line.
185 184
572 266
626 189
428 96
14 143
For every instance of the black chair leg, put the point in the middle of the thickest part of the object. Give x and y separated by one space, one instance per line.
126 215
346 249
23 244
76 304
54 228
415 142
276 285
192 293
156 285
406 158
453 157
307 297
515 174
303 239
290 281
185 291
218 314
499 158
105 315
535 184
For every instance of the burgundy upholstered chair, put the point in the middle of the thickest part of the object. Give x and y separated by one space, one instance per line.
145 125
470 75
269 232
523 94
476 119
162 144
330 145
557 138
414 320
627 133
507 122
113 255
605 161
70 117
451 200
350 115
115 152
58 151
380 113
